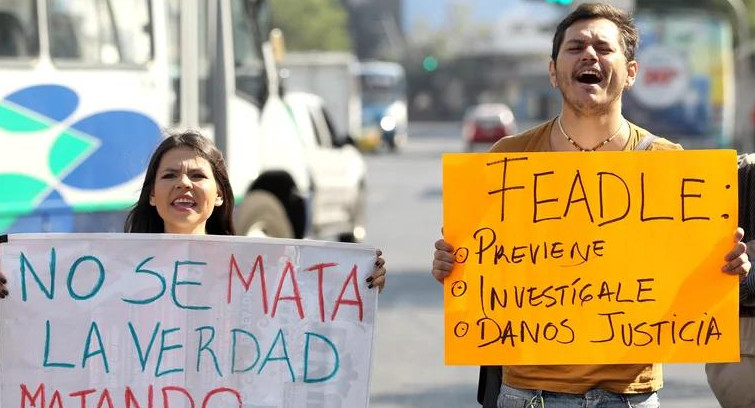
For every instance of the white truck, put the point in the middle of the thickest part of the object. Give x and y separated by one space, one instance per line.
334 77
340 174
89 86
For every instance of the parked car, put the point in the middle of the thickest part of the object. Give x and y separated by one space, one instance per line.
337 168
486 123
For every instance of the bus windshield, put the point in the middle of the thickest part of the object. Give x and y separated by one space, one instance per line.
380 89
18 29
382 83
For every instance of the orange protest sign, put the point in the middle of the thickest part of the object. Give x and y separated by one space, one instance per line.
574 258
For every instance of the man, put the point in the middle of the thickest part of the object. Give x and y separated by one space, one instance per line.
732 383
592 64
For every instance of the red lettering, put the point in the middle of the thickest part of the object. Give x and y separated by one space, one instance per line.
83 394
184 391
219 390
56 401
39 393
661 76
320 268
105 400
247 282
131 399
105 397
351 302
289 268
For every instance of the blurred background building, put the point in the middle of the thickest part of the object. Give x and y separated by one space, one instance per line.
459 53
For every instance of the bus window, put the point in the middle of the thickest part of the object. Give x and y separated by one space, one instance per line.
18 29
133 28
250 79
381 89
85 31
82 31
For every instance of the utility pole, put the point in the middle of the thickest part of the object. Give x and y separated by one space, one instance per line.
744 79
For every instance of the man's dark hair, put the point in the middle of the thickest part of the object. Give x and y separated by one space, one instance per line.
144 218
588 11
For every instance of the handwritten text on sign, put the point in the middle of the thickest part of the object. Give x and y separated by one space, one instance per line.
136 321
568 258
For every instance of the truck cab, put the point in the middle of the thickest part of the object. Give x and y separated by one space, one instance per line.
337 167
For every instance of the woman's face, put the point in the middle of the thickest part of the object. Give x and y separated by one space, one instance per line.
185 191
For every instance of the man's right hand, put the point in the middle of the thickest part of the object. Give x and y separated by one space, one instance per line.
443 260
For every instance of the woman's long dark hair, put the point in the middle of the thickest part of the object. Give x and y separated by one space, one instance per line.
143 217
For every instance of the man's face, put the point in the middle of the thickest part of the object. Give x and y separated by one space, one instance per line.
591 71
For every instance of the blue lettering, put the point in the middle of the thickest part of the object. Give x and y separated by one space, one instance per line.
143 357
234 332
285 355
177 283
46 362
97 285
206 346
336 363
94 331
24 263
163 286
163 349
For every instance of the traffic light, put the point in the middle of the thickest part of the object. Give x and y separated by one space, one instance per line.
430 63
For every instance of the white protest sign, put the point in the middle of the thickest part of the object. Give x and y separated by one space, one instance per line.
174 321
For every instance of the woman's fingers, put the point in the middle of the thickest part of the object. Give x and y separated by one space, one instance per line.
378 276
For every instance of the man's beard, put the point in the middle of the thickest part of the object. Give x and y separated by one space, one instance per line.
585 108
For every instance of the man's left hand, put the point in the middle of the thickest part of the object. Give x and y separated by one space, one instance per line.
737 262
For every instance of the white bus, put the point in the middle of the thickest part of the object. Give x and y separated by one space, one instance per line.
384 110
87 88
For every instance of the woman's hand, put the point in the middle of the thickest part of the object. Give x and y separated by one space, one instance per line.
443 260
378 277
737 262
3 289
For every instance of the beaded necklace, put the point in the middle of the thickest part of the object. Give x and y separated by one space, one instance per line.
598 146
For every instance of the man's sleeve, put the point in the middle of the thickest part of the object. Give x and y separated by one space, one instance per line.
747 290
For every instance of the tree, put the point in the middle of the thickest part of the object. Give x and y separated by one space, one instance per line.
312 24
751 12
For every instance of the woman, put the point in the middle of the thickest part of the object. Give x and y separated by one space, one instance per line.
186 191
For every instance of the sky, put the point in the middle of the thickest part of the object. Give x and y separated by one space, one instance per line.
483 11
531 22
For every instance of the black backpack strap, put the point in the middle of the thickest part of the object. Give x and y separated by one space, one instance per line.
646 142
489 385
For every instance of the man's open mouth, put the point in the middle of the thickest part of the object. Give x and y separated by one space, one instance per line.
590 76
